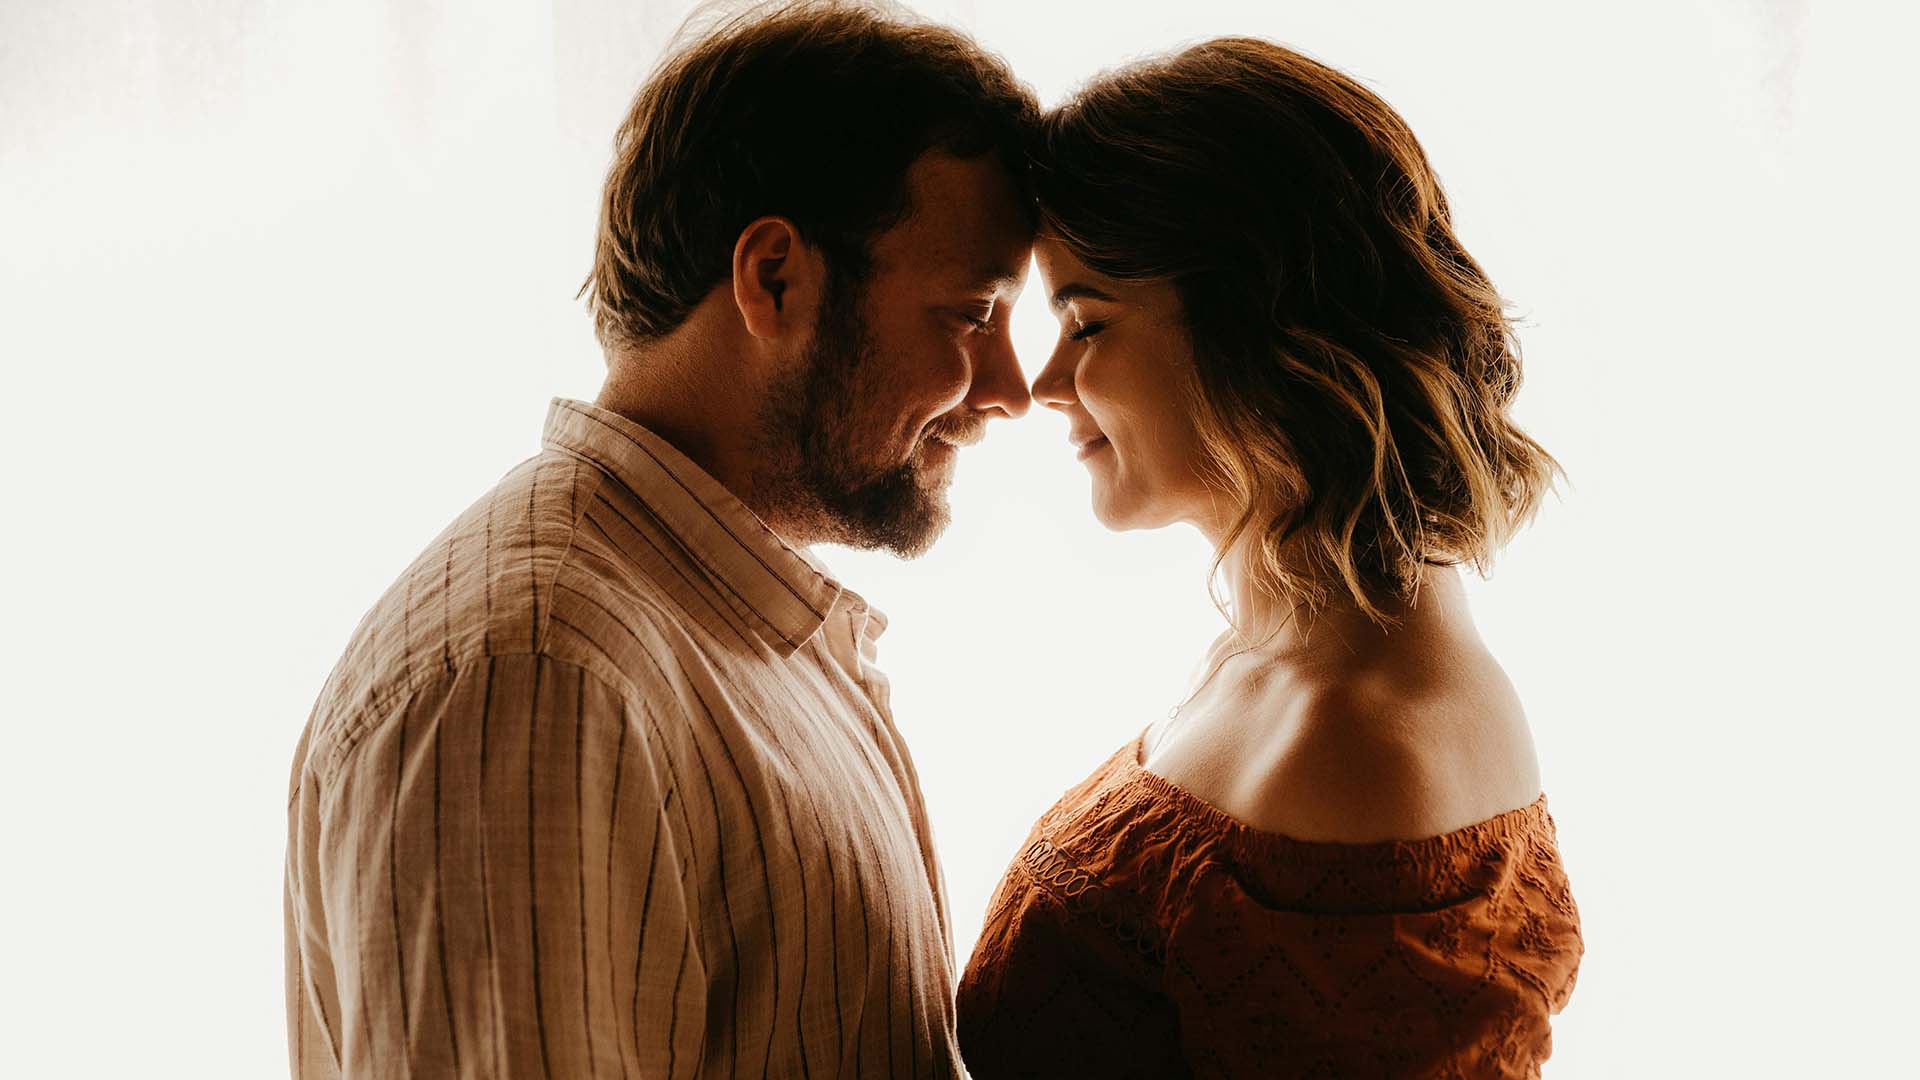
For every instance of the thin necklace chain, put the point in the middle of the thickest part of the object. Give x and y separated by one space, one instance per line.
1174 712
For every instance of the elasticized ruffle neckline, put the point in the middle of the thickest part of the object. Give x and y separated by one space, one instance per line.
1495 832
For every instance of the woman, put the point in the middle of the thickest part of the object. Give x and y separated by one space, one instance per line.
1334 858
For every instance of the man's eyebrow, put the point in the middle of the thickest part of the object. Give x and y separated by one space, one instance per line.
995 279
1079 291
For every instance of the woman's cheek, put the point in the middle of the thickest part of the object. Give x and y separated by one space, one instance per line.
1096 387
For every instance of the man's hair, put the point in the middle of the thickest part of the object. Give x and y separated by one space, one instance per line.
1355 364
809 110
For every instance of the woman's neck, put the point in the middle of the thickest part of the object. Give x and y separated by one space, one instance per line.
1339 631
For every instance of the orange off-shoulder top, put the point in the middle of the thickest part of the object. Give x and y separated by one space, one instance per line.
1141 932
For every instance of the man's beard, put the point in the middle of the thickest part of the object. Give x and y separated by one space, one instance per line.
812 429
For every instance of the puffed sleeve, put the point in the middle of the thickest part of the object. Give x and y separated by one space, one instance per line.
1465 988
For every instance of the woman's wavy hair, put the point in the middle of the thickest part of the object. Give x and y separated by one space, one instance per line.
1355 364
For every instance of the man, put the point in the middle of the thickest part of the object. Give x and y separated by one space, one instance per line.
607 784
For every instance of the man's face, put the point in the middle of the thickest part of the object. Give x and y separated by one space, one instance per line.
906 368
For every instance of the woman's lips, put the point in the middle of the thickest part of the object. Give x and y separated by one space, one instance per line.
1092 447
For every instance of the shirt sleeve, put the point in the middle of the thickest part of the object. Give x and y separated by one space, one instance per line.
496 884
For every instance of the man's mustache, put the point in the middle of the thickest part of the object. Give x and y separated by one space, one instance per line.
960 431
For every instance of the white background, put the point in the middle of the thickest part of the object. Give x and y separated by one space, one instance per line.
284 286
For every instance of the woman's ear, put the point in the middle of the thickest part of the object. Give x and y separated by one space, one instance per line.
777 279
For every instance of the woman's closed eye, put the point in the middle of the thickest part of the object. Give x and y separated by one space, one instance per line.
1085 330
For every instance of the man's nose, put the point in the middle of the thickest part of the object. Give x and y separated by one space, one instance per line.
998 384
1054 386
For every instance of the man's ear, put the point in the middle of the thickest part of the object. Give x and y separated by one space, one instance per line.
777 279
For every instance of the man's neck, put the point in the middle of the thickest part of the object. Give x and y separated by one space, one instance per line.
702 405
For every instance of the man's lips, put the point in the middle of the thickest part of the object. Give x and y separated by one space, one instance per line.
943 448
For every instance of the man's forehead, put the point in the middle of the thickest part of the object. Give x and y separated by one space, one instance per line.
1007 272
967 223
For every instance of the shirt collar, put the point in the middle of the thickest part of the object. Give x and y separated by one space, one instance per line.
787 594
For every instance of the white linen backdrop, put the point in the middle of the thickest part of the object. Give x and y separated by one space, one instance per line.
284 286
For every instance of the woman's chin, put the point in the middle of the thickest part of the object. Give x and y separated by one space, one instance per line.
1119 511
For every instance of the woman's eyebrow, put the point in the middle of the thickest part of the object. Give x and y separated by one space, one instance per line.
1078 291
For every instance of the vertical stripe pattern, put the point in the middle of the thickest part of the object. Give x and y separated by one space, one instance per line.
606 785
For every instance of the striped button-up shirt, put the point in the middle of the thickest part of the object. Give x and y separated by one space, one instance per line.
606 785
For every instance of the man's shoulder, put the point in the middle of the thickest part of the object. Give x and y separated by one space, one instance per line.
524 571
478 587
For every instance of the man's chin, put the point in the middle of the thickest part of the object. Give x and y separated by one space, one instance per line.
912 534
901 513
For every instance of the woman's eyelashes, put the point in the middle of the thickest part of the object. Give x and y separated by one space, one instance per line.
1085 330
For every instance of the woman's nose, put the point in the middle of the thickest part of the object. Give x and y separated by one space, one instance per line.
1054 385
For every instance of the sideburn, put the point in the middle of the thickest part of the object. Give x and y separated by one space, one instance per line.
812 425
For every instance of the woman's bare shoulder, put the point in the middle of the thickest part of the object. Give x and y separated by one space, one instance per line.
1365 760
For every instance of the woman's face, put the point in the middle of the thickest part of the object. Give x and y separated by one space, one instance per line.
1123 373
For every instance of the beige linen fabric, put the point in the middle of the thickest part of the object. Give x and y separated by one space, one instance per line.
607 785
